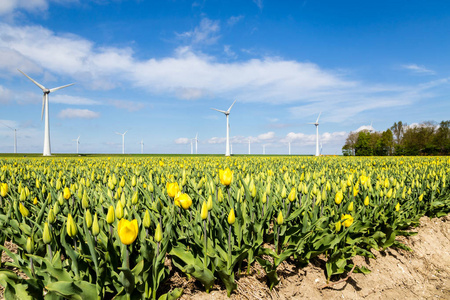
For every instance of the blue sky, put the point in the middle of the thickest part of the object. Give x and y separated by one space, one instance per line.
155 68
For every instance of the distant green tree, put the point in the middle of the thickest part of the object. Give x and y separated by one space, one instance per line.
363 144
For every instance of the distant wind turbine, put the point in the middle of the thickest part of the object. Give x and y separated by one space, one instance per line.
15 136
47 151
196 143
289 148
192 149
249 140
123 140
321 148
142 146
264 149
78 142
317 134
227 113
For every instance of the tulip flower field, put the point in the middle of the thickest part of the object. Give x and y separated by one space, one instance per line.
105 227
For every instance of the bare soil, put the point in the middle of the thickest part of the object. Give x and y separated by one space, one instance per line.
423 273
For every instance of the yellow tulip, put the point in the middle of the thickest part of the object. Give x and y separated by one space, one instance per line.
66 193
128 231
292 195
158 233
88 219
421 197
95 226
366 201
347 220
231 217
146 221
337 226
29 245
3 189
397 207
209 203
72 228
185 201
204 211
35 201
338 198
23 210
51 216
46 236
119 210
110 216
280 218
172 189
350 206
225 176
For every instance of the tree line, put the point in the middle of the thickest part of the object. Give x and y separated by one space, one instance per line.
427 138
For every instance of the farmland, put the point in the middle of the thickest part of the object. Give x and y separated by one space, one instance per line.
105 226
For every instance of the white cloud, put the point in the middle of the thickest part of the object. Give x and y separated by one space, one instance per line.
259 3
205 33
127 105
418 69
307 87
266 136
233 20
71 113
5 95
182 141
365 127
9 6
72 100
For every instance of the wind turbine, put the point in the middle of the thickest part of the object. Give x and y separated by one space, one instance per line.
123 140
317 134
289 148
264 149
227 113
321 148
142 146
249 146
192 149
47 151
15 136
78 142
196 143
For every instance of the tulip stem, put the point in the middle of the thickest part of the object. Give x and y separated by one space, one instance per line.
127 257
229 247
205 262
278 242
49 249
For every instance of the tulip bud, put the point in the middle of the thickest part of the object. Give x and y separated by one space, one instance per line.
283 192
29 245
421 197
122 182
292 195
209 203
231 217
66 193
280 218
134 198
397 207
119 210
84 201
46 236
338 198
204 211
3 189
58 184
51 216
150 187
366 201
56 208
158 233
95 226
133 181
72 229
389 193
338 226
23 210
110 216
88 218
350 207
22 196
146 221
220 195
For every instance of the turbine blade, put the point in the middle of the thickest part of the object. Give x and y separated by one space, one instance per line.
7 126
34 81
231 106
43 105
318 118
222 111
125 132
117 133
60 87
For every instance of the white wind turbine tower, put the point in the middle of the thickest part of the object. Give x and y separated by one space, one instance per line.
196 143
264 149
317 134
47 151
78 142
15 137
123 140
192 149
227 113
289 147
142 146
249 146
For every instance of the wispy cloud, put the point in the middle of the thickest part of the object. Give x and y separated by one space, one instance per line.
127 105
5 95
258 3
418 69
233 20
73 100
206 33
182 141
72 113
